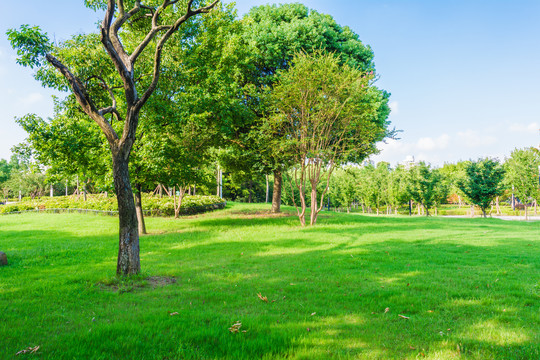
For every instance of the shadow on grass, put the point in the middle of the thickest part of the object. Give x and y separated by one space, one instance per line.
327 287
446 289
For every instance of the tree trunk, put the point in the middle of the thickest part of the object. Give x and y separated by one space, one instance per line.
267 188
313 217
484 212
139 210
128 249
276 192
250 190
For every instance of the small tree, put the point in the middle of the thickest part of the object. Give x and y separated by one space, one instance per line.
523 172
483 182
423 185
326 114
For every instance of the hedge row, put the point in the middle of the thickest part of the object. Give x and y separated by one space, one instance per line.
152 205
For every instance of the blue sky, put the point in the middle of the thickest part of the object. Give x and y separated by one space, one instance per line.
464 75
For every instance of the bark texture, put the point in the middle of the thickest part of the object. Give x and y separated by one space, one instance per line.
128 245
276 192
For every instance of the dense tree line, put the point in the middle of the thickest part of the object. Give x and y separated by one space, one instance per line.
482 183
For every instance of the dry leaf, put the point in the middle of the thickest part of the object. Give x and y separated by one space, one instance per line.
235 328
430 311
403 316
412 348
173 313
386 310
263 298
31 350
313 313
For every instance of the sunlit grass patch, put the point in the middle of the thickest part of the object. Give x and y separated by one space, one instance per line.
352 287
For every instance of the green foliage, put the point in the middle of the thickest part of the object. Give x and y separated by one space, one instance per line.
426 186
326 111
483 182
469 287
522 172
31 43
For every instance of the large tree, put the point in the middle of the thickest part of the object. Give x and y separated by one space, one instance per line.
325 114
124 21
271 35
482 182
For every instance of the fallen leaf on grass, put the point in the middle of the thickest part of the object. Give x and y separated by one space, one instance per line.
430 311
263 298
313 313
173 313
411 347
403 316
235 328
31 350
386 310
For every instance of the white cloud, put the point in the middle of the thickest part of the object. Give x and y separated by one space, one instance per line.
394 107
429 143
472 139
522 128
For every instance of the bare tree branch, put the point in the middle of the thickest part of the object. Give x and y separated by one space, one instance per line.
159 47
84 100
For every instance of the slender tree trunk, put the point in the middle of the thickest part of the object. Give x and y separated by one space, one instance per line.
526 213
484 212
303 206
139 210
250 190
276 192
178 205
267 188
313 217
128 249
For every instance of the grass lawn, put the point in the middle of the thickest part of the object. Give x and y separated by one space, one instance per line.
352 287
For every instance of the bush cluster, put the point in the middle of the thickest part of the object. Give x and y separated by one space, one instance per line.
152 205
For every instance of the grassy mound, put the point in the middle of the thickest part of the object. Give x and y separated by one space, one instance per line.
241 284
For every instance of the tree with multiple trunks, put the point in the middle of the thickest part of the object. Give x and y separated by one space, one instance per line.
122 23
325 114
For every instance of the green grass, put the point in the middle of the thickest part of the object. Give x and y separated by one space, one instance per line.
469 287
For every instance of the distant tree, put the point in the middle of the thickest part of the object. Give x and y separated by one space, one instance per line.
326 114
522 171
423 185
483 182
344 186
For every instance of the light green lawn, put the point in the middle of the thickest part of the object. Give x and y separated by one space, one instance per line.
468 287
